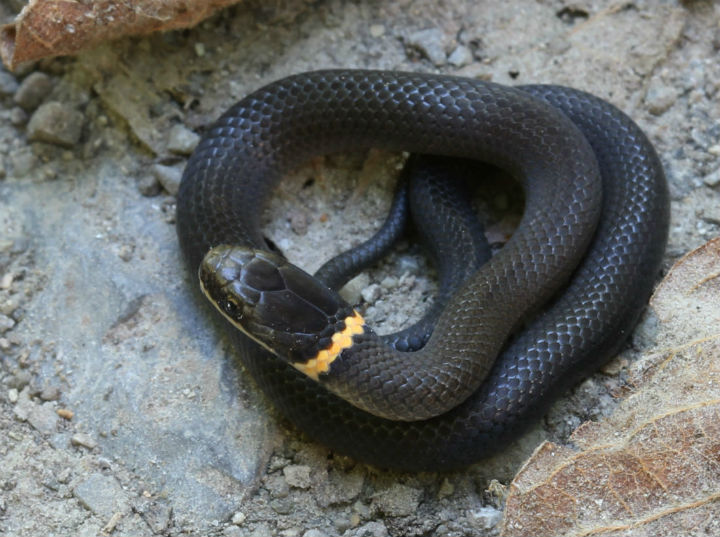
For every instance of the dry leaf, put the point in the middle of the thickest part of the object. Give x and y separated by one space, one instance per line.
653 467
47 28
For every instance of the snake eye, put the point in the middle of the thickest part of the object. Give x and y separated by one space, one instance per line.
229 307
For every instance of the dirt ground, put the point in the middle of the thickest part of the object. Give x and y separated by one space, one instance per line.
122 409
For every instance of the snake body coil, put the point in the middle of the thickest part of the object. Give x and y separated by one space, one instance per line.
524 131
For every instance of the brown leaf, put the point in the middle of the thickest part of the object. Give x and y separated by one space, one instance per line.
47 28
652 467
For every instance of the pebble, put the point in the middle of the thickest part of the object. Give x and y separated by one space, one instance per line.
299 222
18 116
261 530
50 393
711 214
23 405
277 486
55 123
398 500
65 413
352 290
371 529
659 99
155 514
181 140
8 84
431 43
314 533
6 323
238 518
43 418
409 264
377 30
168 176
712 180
232 531
484 518
102 495
281 507
446 489
84 440
149 186
297 476
22 162
12 395
371 293
33 90
460 57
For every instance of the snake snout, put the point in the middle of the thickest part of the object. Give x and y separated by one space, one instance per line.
277 304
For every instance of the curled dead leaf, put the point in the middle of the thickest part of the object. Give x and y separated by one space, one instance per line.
652 468
46 28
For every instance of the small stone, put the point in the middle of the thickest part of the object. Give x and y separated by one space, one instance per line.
281 507
84 440
168 176
659 99
290 532
22 161
711 215
6 323
314 533
484 518
20 380
299 222
461 56
12 395
261 530
238 518
446 489
398 500
371 293
377 30
102 495
43 418
277 486
181 140
8 84
431 44
297 476
33 90
149 186
371 529
50 393
712 180
409 264
352 290
232 531
199 50
65 413
18 116
56 123
64 476
6 281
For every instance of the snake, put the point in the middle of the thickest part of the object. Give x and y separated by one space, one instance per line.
553 305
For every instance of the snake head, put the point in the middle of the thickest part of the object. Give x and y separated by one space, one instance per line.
277 304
